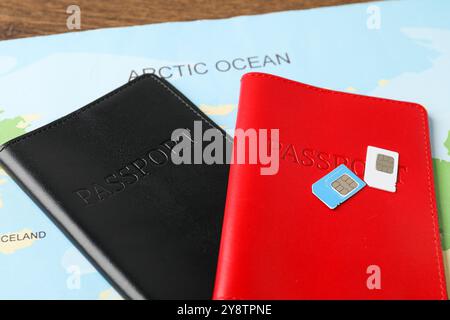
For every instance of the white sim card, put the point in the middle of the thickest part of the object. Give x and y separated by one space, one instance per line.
381 169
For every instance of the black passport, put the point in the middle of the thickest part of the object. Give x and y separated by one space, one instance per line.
105 176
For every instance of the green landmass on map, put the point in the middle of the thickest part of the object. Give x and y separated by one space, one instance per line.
10 128
442 181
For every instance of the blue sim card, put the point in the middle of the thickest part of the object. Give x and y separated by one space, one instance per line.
337 186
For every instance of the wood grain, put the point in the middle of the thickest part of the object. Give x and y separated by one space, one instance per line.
26 18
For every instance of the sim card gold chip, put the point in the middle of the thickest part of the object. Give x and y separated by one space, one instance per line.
344 185
385 163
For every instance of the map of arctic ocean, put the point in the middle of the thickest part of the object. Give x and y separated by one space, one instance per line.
394 49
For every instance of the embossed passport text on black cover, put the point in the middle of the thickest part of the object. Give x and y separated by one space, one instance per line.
104 175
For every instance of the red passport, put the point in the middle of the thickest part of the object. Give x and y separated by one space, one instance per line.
280 242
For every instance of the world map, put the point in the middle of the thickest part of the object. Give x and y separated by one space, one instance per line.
404 55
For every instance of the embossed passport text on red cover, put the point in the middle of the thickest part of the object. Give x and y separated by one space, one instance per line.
280 242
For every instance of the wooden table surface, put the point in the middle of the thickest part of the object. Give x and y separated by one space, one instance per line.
26 18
